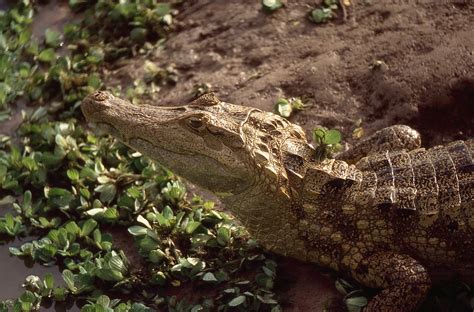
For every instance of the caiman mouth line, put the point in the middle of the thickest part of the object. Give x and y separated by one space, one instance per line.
117 134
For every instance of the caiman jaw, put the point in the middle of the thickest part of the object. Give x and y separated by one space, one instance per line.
125 121
191 140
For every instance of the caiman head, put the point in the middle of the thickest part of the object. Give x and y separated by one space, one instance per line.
219 146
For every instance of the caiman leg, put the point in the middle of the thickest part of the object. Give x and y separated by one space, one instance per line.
405 282
398 137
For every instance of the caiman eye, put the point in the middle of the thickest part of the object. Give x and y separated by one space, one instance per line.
195 123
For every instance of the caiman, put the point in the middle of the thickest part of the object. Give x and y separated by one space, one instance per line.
386 212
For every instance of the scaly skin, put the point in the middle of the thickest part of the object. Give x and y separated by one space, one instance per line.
391 220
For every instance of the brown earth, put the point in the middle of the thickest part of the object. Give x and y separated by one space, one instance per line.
253 58
425 80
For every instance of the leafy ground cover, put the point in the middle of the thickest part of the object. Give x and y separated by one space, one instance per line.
77 194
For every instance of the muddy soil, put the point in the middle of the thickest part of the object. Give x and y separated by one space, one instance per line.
425 76
252 58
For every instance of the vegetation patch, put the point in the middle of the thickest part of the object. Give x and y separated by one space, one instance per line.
271 5
74 194
325 12
286 107
328 142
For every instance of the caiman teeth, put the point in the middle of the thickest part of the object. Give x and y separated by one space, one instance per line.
262 156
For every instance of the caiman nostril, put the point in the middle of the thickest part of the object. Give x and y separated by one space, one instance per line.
95 103
101 95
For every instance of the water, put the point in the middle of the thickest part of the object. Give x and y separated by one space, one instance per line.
53 15
13 270
3 5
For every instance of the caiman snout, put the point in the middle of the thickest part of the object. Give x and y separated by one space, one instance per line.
101 96
95 103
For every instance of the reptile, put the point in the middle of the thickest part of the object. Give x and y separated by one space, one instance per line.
386 212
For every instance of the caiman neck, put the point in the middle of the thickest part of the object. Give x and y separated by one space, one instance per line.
267 214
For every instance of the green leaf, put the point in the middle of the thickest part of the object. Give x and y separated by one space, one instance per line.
264 281
162 9
85 193
138 34
332 137
321 15
29 163
52 38
47 252
103 301
209 277
134 192
58 196
75 4
271 5
358 302
107 192
24 70
110 214
95 211
110 275
297 104
68 277
49 280
47 55
9 220
94 81
237 301
192 226
60 140
5 90
156 256
73 174
268 272
96 55
71 30
3 42
143 221
28 296
167 213
26 203
137 230
223 236
283 108
72 228
159 278
319 135
40 113
15 251
116 263
88 173
318 16
268 300
173 192
59 293
147 244
3 173
88 227
197 308
97 235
